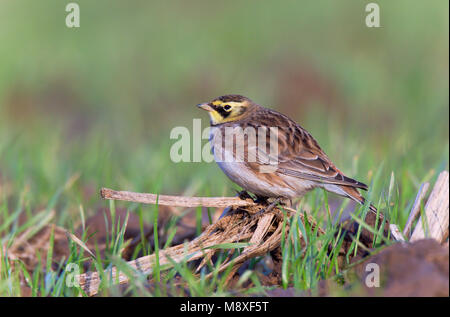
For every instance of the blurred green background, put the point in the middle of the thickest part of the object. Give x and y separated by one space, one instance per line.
99 101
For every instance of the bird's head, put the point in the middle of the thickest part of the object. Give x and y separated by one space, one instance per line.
227 108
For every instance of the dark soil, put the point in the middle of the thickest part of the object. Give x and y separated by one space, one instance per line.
418 269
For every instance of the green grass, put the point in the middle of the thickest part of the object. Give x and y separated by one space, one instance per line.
93 107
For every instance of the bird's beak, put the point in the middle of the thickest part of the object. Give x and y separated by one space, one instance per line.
205 106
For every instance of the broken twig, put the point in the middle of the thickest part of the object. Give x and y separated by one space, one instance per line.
436 220
175 201
241 223
415 210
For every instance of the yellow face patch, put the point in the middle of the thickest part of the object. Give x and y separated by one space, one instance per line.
226 111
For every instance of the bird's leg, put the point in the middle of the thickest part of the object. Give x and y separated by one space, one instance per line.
262 200
269 207
243 194
281 200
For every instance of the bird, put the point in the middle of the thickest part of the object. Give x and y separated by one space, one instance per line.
296 165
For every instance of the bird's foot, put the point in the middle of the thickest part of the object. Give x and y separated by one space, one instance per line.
281 200
269 207
243 194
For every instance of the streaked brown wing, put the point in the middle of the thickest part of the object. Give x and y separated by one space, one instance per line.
299 155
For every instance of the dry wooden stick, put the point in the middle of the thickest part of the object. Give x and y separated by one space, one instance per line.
257 237
415 210
175 201
436 212
232 228
395 231
241 223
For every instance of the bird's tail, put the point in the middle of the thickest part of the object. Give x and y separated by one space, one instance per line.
349 192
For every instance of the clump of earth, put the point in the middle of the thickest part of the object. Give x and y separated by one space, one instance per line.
418 269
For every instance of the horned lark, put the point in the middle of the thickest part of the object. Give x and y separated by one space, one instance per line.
300 164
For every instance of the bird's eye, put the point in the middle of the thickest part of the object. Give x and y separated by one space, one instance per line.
227 107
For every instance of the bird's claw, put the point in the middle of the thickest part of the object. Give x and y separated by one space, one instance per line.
268 207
